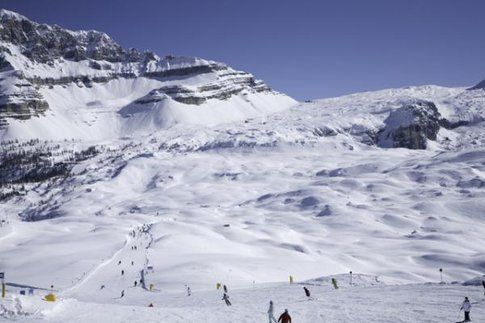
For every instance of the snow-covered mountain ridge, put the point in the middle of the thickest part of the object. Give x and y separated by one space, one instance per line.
87 83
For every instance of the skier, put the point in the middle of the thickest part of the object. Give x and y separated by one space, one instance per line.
122 293
136 283
225 298
122 272
466 307
132 263
483 283
307 292
285 317
225 288
102 287
188 291
119 262
271 317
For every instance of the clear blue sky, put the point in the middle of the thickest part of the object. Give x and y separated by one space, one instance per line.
308 49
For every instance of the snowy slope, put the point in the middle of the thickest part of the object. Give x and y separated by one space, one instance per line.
428 303
224 180
302 192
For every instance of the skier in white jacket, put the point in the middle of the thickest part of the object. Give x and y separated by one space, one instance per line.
466 307
271 317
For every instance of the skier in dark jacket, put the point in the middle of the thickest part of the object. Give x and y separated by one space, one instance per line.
483 283
307 292
225 298
285 317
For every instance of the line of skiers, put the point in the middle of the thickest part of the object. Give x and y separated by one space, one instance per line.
286 318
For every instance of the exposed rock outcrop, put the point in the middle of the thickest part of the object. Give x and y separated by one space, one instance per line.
44 43
227 85
411 126
19 98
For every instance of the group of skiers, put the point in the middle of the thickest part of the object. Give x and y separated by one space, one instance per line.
285 316
140 231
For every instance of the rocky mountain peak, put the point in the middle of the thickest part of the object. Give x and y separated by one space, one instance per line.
7 14
44 43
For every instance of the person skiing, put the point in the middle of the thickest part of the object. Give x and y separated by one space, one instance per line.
483 283
119 262
136 283
189 292
271 317
307 292
225 298
466 307
122 272
225 288
122 293
285 317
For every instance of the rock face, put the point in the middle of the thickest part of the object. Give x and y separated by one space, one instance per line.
411 126
35 57
227 85
43 43
19 98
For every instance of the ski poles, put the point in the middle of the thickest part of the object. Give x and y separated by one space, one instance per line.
459 314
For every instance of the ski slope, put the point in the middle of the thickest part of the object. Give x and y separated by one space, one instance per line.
248 203
361 302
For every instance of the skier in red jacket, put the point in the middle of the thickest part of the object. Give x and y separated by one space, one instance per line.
285 317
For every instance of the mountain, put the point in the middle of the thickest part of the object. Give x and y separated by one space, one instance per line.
184 171
82 84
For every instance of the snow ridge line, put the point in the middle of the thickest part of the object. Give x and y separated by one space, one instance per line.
103 264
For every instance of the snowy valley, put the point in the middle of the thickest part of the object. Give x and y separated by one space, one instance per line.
184 171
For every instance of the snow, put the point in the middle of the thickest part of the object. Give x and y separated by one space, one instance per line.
396 214
11 14
393 303
244 191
